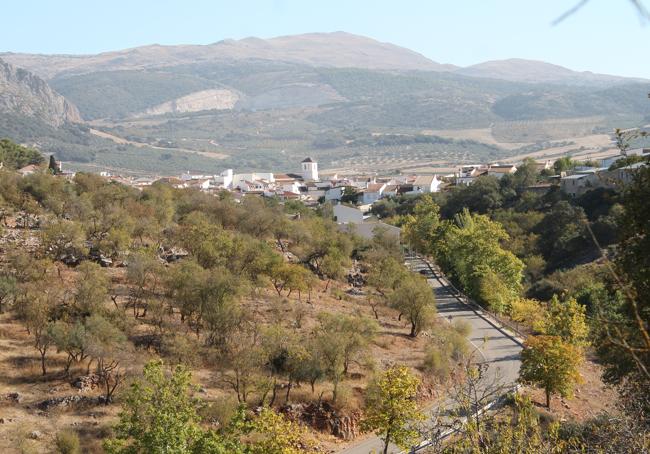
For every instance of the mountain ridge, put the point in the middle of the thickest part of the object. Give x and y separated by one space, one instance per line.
330 50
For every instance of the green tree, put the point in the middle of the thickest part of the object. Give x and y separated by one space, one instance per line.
356 333
71 338
61 238
15 156
386 274
421 229
414 300
332 349
91 288
551 364
391 407
107 346
8 290
334 265
159 414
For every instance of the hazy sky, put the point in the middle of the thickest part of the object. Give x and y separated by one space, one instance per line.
605 36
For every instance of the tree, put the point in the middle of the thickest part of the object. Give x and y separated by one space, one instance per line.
470 250
356 333
159 414
391 407
567 320
91 289
526 174
37 309
272 433
414 299
386 274
53 166
71 338
285 352
624 336
8 289
334 265
15 156
107 347
563 164
288 276
329 348
551 364
62 238
421 229
144 273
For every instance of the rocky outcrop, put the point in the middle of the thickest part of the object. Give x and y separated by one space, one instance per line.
215 99
25 94
86 383
325 418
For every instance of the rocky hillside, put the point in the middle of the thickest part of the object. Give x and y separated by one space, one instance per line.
27 95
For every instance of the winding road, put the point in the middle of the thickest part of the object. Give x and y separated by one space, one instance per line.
498 348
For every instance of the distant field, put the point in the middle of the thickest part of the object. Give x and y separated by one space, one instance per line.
279 141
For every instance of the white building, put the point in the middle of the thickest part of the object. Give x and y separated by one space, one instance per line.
426 184
309 170
224 179
345 215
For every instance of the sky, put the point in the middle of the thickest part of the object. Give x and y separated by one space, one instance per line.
606 36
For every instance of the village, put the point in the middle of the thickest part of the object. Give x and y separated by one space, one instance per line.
352 197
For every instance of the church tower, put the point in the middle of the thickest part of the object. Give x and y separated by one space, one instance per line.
309 170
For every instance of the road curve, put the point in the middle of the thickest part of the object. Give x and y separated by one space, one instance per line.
498 348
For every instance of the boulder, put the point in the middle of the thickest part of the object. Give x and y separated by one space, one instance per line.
86 382
325 418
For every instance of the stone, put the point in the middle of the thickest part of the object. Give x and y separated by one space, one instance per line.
86 382
16 397
35 435
325 418
66 401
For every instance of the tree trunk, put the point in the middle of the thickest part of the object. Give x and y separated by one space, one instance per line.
387 442
548 399
274 393
286 398
43 362
413 329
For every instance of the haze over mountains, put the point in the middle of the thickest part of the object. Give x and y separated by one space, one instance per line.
319 85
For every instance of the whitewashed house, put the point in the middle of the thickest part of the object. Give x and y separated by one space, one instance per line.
426 184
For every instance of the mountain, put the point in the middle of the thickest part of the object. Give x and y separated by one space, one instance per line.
521 70
332 50
266 103
24 94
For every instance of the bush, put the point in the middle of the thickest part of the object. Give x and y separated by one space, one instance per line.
529 312
437 363
67 442
462 327
223 410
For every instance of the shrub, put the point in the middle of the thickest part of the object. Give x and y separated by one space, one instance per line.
67 442
437 363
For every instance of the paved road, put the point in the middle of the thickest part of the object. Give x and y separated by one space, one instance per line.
495 347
